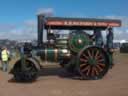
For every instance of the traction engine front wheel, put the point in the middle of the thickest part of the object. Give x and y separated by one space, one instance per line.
30 73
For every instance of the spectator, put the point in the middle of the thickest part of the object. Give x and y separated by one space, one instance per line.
0 58
5 58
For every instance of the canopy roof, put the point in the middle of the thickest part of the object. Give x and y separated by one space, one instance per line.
79 23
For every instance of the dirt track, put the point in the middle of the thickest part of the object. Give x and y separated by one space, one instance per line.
115 83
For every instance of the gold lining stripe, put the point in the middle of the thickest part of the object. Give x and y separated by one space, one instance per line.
45 54
56 54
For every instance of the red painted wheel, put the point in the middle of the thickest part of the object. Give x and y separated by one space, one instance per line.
93 63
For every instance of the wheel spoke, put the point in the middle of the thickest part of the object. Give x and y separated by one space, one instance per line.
99 68
86 68
85 56
90 55
93 54
99 56
97 52
92 71
100 60
97 73
82 65
83 60
103 65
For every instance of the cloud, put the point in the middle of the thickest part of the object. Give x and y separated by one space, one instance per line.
31 23
120 33
25 31
127 31
6 27
124 19
45 11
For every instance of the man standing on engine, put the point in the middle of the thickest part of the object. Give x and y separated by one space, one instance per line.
110 38
98 38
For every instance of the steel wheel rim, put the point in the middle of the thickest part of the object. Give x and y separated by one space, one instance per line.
26 75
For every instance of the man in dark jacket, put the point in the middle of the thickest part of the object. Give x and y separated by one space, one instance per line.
110 37
98 38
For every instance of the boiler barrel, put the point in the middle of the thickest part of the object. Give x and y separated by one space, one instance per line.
53 54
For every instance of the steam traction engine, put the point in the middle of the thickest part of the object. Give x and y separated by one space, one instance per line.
77 53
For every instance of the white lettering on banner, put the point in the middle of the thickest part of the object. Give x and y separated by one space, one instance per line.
82 23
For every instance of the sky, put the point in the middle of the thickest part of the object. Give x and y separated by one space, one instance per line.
18 17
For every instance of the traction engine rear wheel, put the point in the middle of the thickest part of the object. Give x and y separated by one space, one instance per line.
93 63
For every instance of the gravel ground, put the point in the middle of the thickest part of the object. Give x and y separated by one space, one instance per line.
55 82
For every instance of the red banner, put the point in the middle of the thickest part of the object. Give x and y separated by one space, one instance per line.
82 23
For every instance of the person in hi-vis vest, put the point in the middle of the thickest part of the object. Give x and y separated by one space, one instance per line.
4 58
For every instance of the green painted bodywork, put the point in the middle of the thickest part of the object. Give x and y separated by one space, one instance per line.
61 43
74 44
50 53
53 55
